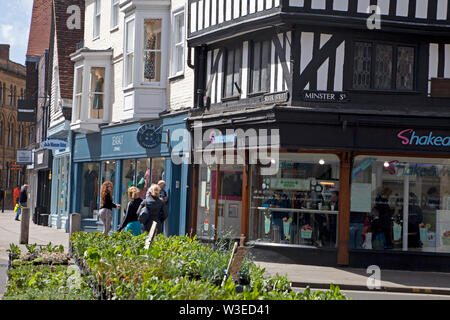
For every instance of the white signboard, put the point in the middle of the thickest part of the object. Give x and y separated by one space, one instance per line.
24 157
361 200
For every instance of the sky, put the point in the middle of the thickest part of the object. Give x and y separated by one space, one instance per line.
15 19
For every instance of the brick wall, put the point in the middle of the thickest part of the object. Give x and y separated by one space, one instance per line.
4 51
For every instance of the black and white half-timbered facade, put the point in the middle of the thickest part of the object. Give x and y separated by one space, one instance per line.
358 92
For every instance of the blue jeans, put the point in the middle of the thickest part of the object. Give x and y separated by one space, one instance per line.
20 210
356 230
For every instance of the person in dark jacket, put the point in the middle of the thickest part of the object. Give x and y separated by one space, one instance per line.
132 207
23 199
105 213
152 209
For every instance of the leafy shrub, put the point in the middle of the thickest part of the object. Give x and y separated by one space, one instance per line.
46 283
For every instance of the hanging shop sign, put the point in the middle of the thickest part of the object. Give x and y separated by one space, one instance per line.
26 110
149 136
24 157
324 96
54 144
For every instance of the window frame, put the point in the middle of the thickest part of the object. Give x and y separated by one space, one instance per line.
225 95
160 50
96 20
174 45
251 69
127 53
395 46
114 8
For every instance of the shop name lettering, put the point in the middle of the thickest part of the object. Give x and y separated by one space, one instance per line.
409 137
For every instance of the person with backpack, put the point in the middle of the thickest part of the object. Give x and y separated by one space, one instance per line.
152 209
105 213
130 221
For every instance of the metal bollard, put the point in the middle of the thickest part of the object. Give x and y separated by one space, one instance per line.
25 225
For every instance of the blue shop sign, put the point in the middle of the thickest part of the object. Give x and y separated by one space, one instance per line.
149 136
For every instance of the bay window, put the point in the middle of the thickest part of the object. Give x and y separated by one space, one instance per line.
129 52
152 50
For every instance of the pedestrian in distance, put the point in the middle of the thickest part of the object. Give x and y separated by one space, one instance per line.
23 199
130 221
107 204
152 209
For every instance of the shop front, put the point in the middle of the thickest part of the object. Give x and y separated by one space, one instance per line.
342 190
137 154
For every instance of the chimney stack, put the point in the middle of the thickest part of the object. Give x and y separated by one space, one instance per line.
4 51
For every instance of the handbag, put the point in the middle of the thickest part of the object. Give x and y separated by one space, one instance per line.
134 227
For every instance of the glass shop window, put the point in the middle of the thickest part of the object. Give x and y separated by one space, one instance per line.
89 189
143 176
108 171
299 204
152 50
380 218
128 180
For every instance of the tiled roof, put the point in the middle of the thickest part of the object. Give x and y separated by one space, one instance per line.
39 36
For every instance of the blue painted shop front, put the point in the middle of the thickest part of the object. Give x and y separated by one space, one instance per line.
114 154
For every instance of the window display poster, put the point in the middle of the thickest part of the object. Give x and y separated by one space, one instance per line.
203 194
442 228
361 198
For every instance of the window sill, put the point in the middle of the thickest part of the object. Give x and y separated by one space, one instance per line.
233 98
177 76
256 94
95 38
113 29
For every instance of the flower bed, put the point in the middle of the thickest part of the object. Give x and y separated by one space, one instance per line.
45 282
36 255
118 267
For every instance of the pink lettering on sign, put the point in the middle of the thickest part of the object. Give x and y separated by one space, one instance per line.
405 139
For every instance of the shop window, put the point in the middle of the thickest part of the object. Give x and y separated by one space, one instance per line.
108 171
260 60
143 176
158 169
97 93
128 180
299 204
89 189
381 187
206 204
380 66
152 50
232 67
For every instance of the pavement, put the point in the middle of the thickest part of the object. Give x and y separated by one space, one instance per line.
301 276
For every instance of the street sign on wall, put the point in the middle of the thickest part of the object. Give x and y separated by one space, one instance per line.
24 157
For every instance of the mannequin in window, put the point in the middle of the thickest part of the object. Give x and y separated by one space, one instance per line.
149 69
98 96
90 187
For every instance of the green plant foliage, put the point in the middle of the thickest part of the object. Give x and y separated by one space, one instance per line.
175 268
41 282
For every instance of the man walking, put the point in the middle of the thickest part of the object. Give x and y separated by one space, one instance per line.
16 195
23 198
163 193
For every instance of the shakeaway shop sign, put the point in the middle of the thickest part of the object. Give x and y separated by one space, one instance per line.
412 138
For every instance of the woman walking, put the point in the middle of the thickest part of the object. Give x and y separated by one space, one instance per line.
107 204
152 209
131 217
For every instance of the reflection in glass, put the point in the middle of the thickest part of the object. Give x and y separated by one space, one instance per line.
90 188
97 93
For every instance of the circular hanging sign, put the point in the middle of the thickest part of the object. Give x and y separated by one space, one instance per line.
148 136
